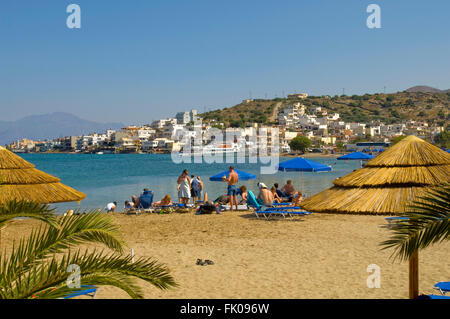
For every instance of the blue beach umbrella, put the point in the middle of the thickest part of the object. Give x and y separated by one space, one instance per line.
355 156
243 176
300 164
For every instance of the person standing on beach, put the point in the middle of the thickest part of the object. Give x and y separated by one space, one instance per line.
232 189
184 187
196 188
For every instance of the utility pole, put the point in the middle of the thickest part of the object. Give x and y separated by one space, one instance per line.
343 91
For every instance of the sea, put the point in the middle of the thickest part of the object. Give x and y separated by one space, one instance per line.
107 178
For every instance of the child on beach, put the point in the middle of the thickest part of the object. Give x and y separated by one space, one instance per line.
110 207
276 198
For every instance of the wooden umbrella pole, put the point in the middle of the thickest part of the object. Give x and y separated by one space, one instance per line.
414 276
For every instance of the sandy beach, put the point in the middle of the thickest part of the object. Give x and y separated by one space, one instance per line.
318 256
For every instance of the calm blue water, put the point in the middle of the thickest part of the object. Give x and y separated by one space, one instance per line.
115 177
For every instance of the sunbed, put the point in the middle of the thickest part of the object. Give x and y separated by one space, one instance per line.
267 212
89 291
438 297
393 220
228 207
443 287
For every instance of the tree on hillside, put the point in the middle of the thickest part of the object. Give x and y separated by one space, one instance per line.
300 143
443 139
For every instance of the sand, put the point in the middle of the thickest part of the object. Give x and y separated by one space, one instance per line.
318 256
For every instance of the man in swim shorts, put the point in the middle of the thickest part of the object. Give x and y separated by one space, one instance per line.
232 189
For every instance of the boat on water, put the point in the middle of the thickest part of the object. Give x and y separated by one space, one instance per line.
213 149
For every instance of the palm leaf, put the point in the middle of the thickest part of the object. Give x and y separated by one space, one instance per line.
428 223
45 241
14 209
48 280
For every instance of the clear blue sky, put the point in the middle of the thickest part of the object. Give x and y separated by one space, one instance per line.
134 61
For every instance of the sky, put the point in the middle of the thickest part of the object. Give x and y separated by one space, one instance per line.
136 61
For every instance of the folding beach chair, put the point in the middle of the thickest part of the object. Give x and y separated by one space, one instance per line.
145 202
443 287
88 291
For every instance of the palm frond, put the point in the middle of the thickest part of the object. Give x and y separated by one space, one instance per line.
428 223
14 209
93 227
48 280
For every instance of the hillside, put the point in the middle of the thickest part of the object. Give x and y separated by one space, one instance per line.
49 126
425 89
432 107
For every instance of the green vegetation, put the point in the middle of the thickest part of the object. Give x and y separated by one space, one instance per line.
388 108
37 266
443 139
300 143
428 223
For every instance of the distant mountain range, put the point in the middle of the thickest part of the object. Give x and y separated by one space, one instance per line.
425 89
50 126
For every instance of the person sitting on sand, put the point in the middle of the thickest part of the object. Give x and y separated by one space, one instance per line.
129 205
110 207
276 198
134 200
265 196
165 201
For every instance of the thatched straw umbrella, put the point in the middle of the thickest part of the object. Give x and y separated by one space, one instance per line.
21 181
387 184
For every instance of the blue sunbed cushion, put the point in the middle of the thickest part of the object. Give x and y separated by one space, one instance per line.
89 289
438 297
444 286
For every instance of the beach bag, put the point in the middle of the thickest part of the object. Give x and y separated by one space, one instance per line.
208 208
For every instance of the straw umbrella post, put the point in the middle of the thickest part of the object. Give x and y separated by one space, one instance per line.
386 185
20 181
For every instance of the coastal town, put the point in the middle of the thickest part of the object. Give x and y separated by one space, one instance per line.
324 131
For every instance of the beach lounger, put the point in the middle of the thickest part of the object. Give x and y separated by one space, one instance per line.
443 287
228 207
438 297
89 291
267 212
393 220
